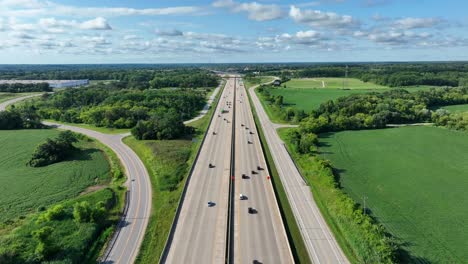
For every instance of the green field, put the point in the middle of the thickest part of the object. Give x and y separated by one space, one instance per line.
331 83
23 188
456 108
415 180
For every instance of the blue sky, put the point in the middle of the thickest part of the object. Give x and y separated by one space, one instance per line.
124 31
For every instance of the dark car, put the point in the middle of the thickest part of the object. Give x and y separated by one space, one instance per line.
244 176
251 133
259 168
252 210
254 172
210 166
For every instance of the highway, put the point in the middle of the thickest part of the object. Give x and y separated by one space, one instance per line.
260 236
200 234
126 243
320 242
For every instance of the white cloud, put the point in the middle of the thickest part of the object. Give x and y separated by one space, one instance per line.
98 23
255 11
412 23
319 19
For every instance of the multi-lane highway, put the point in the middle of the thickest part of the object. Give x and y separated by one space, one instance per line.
200 234
124 248
259 236
319 240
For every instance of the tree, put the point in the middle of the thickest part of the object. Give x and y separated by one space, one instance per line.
82 212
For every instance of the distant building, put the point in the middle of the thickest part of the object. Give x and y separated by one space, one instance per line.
276 82
52 83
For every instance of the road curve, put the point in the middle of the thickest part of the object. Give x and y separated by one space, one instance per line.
207 106
320 242
131 231
129 235
15 100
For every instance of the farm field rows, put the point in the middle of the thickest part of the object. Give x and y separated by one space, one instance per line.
23 188
414 180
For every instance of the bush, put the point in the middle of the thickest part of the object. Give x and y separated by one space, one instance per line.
53 151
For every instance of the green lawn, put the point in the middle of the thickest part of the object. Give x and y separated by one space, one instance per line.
257 80
415 180
23 188
456 108
331 83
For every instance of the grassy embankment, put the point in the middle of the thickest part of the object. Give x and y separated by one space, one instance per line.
457 108
296 242
8 96
415 181
28 194
168 163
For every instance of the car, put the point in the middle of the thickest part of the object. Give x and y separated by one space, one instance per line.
254 172
211 203
251 133
249 142
210 166
259 168
214 133
244 176
252 210
242 124
246 128
242 197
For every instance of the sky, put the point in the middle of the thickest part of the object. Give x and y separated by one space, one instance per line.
223 31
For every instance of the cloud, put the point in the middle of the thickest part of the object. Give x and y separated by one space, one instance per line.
169 33
396 38
412 23
255 11
320 19
34 8
98 23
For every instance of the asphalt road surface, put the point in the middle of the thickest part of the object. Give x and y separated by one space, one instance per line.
15 100
319 240
259 236
200 232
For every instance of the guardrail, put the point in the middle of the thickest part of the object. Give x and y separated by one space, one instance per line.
121 224
167 245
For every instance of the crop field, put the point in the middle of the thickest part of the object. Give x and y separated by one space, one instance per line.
331 83
457 108
414 180
23 188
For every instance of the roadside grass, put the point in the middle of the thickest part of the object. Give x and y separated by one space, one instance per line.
295 239
37 190
162 158
25 188
104 130
414 180
456 108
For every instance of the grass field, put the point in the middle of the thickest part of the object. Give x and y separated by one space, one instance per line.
7 96
415 180
456 108
331 83
23 189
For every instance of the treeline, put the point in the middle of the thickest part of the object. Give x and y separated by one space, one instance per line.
53 150
376 110
20 118
457 121
158 113
124 77
388 74
24 88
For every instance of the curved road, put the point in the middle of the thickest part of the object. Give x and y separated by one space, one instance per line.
127 240
15 100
